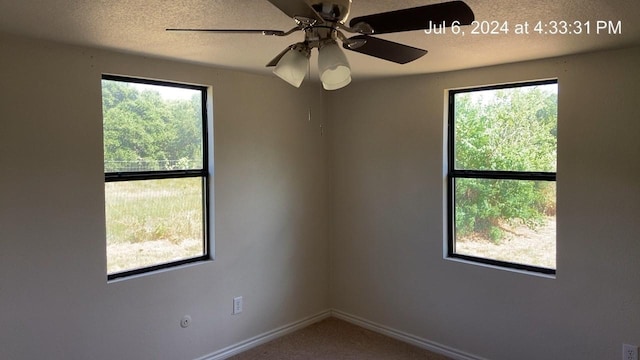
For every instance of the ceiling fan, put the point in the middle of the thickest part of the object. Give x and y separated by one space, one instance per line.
324 23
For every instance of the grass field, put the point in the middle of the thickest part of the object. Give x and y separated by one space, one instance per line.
152 222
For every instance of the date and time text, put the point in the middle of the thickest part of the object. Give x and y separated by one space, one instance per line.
552 27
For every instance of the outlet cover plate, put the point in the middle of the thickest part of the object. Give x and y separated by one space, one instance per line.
237 305
629 352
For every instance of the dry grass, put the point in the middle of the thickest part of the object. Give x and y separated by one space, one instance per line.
520 245
127 256
153 222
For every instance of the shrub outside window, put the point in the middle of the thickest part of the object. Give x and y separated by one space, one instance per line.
156 174
501 175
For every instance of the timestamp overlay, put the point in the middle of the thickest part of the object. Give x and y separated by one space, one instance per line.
551 27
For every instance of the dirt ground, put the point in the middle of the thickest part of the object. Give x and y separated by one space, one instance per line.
519 245
127 256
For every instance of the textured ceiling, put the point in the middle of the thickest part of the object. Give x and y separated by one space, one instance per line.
137 26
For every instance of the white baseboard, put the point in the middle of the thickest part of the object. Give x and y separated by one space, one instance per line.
265 337
405 337
297 325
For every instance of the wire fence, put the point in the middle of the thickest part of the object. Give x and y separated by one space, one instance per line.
152 165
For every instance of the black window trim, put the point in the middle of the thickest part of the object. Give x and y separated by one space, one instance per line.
171 174
453 173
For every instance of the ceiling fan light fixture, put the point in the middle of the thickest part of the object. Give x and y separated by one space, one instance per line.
337 84
335 72
293 66
323 23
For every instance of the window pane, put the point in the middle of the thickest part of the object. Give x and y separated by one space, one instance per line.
510 129
506 220
151 222
151 127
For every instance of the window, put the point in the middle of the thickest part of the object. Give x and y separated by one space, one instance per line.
501 175
156 174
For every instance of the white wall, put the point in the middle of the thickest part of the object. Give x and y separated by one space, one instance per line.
270 214
384 161
387 169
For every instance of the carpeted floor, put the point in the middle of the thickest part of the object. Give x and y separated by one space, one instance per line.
334 339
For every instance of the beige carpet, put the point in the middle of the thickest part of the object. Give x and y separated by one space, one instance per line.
334 339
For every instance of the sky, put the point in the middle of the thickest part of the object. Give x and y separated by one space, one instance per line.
168 92
486 96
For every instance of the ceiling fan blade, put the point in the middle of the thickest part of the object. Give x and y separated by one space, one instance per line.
417 18
276 59
236 31
297 8
384 49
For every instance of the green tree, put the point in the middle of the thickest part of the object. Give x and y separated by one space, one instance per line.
504 130
142 129
187 145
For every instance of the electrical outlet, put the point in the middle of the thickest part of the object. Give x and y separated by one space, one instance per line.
237 306
629 352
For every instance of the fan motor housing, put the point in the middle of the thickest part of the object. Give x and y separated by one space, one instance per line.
334 10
